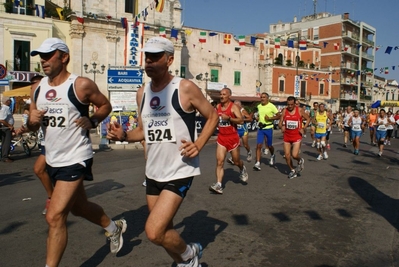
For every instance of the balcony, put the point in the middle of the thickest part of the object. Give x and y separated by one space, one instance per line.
369 42
367 56
24 66
348 96
350 35
366 97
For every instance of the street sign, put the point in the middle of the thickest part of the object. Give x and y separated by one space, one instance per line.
4 82
124 79
3 71
297 92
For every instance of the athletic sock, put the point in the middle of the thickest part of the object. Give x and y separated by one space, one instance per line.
219 184
111 228
188 254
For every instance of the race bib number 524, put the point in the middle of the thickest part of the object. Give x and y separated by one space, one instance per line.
159 130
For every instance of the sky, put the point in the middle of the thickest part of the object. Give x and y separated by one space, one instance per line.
245 17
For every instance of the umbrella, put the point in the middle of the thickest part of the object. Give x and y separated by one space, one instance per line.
376 104
23 91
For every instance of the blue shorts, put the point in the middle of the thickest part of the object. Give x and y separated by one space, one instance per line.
43 151
262 133
241 132
380 135
320 135
355 134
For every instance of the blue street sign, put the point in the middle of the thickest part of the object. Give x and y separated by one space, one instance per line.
125 77
4 82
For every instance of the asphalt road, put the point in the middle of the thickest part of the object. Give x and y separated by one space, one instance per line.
341 212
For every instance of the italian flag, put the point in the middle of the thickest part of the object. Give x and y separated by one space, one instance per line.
241 40
162 32
202 38
277 43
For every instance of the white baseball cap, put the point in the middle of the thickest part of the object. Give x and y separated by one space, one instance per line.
158 44
49 45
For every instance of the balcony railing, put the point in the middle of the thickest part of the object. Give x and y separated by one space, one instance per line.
365 97
370 57
367 41
23 66
348 96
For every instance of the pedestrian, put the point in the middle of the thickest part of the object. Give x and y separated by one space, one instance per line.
167 106
69 153
347 129
242 130
313 112
381 130
321 121
356 122
6 129
293 130
228 139
267 113
371 121
391 124
396 118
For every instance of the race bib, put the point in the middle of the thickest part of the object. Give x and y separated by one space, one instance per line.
159 130
56 115
356 127
291 125
320 125
240 126
381 128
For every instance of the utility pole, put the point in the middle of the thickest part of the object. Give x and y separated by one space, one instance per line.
314 8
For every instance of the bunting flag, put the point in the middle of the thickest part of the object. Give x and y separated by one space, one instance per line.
290 43
377 47
346 48
241 40
277 43
393 67
60 12
213 33
386 70
302 45
253 40
202 38
162 32
388 50
79 17
17 3
358 46
336 46
188 32
227 39
136 22
325 44
396 47
40 12
124 23
174 33
159 5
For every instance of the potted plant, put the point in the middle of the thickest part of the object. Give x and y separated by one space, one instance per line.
288 63
8 7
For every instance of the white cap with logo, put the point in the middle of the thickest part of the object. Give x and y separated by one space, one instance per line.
49 45
158 45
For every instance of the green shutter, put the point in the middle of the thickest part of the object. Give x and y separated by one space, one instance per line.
214 76
237 78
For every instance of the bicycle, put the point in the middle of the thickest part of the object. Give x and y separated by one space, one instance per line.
28 141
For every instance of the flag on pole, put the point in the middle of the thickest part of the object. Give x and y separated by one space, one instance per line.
253 40
291 43
336 46
241 40
202 38
40 11
227 39
162 32
174 33
124 23
277 43
159 5
302 45
60 12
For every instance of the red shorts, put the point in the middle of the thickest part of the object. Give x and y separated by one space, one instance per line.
230 142
292 137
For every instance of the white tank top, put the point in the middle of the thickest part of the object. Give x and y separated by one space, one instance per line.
66 144
383 126
356 124
347 116
165 124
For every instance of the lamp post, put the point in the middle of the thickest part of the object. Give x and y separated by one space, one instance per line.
94 70
200 77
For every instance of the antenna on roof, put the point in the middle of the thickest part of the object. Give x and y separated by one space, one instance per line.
314 8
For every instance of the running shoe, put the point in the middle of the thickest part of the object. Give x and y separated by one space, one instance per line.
301 166
244 174
380 153
385 142
356 152
144 183
116 239
328 146
389 143
249 156
292 174
272 160
230 160
344 145
257 166
313 143
216 189
266 151
320 157
194 262
325 155
46 207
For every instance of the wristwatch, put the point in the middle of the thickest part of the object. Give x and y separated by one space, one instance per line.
94 123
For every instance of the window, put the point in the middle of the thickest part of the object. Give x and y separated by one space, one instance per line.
316 33
303 89
21 55
304 34
183 71
214 75
131 6
393 96
237 78
281 85
321 89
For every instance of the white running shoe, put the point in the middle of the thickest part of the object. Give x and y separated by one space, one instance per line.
244 174
320 157
272 160
144 183
380 153
257 166
292 174
116 239
249 156
194 262
216 189
301 166
313 143
325 155
266 151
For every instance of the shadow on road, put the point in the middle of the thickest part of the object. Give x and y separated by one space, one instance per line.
95 189
135 220
14 178
379 202
11 227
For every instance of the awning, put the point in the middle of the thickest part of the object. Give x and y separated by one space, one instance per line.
23 91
